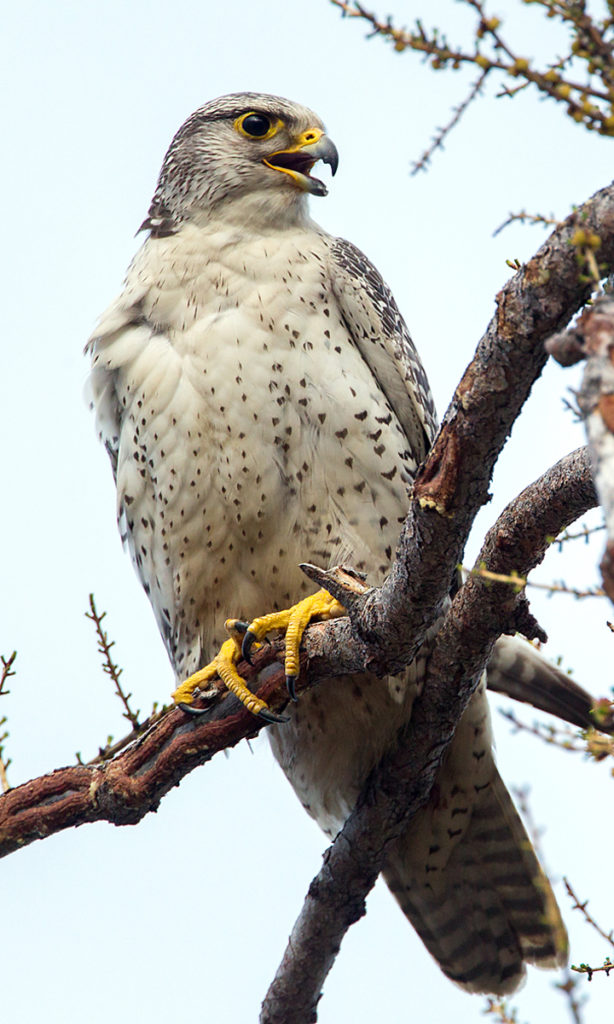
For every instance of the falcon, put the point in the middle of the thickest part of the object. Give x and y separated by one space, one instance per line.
263 405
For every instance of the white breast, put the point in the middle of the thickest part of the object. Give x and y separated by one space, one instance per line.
252 434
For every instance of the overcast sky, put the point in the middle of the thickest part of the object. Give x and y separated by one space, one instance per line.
187 914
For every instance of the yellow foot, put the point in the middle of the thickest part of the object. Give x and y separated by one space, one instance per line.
295 621
224 666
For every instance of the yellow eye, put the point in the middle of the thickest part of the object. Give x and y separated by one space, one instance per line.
257 126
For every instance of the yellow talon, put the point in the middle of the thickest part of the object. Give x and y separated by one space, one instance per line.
223 665
321 605
184 694
294 620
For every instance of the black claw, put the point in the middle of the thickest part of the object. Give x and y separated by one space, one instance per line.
270 716
248 642
191 710
240 626
291 686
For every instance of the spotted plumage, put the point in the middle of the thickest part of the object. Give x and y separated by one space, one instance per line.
263 405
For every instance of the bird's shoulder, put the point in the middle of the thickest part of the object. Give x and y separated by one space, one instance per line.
377 328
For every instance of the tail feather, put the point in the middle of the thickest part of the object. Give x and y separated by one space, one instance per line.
517 669
491 909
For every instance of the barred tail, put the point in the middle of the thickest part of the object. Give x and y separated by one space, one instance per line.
490 909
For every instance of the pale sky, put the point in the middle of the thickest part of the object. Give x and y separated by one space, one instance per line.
187 914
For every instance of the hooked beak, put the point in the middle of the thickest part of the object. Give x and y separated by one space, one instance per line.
298 160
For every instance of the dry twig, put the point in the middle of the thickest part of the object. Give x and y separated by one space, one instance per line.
606 966
500 1011
566 739
5 674
110 668
442 133
582 907
526 218
587 97
583 533
513 579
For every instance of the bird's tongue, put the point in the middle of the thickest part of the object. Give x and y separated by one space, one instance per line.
293 161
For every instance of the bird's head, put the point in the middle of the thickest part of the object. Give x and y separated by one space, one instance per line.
245 155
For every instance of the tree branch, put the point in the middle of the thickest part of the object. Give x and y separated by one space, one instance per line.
453 482
585 98
402 783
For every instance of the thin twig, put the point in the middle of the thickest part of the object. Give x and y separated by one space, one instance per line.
586 100
500 1011
526 218
590 741
566 739
111 748
568 988
582 907
520 582
4 782
583 534
442 133
606 966
109 666
6 672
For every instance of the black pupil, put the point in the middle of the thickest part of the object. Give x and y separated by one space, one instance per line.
256 124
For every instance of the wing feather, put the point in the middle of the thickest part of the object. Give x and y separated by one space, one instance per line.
127 352
380 334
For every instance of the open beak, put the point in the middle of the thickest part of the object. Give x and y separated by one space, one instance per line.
298 160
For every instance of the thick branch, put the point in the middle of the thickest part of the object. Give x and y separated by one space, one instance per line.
131 785
517 543
403 782
454 480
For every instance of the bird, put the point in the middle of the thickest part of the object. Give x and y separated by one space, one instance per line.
263 405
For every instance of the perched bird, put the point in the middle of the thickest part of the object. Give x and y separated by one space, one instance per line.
263 405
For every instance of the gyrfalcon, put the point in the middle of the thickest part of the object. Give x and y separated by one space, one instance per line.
263 405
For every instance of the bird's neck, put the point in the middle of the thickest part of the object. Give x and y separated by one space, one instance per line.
259 212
